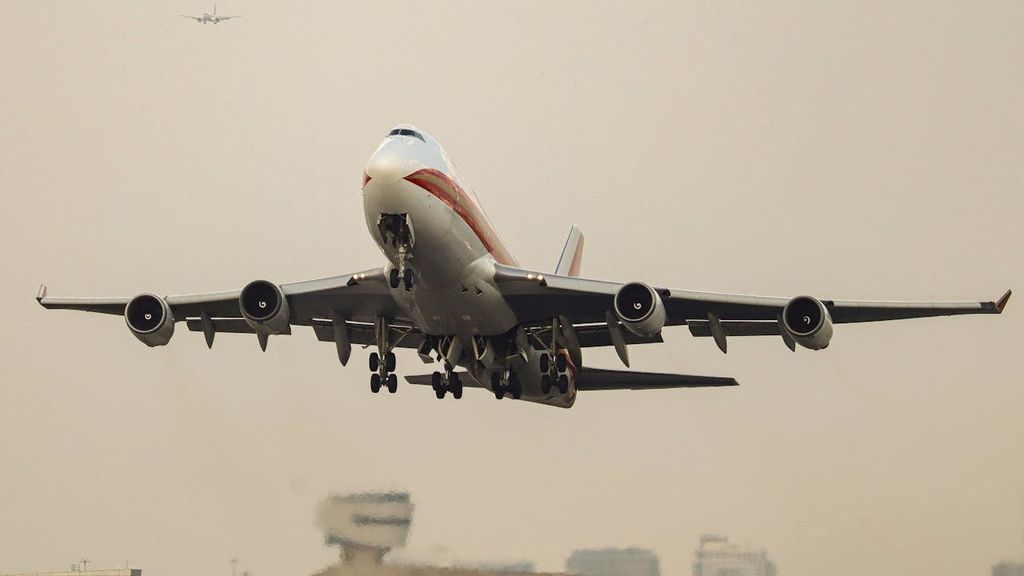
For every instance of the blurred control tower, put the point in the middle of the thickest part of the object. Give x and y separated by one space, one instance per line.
365 526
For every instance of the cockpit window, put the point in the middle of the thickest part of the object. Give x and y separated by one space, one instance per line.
406 132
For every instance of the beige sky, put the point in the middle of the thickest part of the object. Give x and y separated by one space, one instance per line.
838 149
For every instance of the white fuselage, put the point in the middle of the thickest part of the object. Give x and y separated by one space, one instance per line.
454 251
455 245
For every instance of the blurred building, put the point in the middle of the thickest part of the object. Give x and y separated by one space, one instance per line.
614 562
716 556
365 527
1008 569
113 572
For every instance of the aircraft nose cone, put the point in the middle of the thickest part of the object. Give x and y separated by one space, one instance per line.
387 166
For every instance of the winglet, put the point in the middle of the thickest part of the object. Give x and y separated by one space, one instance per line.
41 294
1001 303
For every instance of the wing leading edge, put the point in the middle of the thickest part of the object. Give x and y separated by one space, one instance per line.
536 297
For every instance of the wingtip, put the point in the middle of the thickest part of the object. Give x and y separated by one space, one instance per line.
1001 303
41 294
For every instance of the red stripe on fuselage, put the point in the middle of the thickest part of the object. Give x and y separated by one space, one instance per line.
448 191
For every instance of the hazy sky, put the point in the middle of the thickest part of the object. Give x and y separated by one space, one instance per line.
846 150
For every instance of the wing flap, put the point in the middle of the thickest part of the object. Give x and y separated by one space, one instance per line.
702 328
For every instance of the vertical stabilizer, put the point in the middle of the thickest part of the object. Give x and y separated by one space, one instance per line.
572 254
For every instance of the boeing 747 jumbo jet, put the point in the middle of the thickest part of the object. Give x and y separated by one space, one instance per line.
452 291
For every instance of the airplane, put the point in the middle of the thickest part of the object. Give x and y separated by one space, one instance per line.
452 291
210 18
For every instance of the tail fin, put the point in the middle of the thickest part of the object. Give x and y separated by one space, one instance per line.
572 254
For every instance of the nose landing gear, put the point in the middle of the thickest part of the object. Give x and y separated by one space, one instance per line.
396 231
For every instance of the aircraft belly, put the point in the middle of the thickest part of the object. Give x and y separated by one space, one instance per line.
454 291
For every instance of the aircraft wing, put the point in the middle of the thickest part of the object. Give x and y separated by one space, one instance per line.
537 297
358 298
196 18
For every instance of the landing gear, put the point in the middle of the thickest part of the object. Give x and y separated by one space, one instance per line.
554 373
396 230
383 363
447 382
505 383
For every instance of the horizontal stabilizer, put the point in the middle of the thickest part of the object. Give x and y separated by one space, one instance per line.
599 379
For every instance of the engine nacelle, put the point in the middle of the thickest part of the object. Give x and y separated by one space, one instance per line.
264 307
640 309
808 322
150 319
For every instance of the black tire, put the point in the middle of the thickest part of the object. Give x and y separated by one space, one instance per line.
545 363
375 383
514 386
436 381
499 392
457 393
390 362
408 279
374 361
392 383
454 382
439 392
563 384
545 384
560 363
393 278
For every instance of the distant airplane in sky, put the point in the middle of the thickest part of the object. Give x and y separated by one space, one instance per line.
210 18
452 291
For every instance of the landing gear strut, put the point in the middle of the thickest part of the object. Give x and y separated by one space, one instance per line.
383 363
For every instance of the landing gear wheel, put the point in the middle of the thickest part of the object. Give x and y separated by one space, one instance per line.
545 363
496 387
374 361
393 278
545 384
392 383
455 385
389 361
561 363
514 387
440 392
375 383
563 384
408 279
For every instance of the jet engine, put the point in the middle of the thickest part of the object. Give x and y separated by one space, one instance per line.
264 307
150 319
640 309
807 320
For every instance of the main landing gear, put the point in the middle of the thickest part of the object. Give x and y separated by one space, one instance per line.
506 382
382 362
554 373
383 372
449 381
